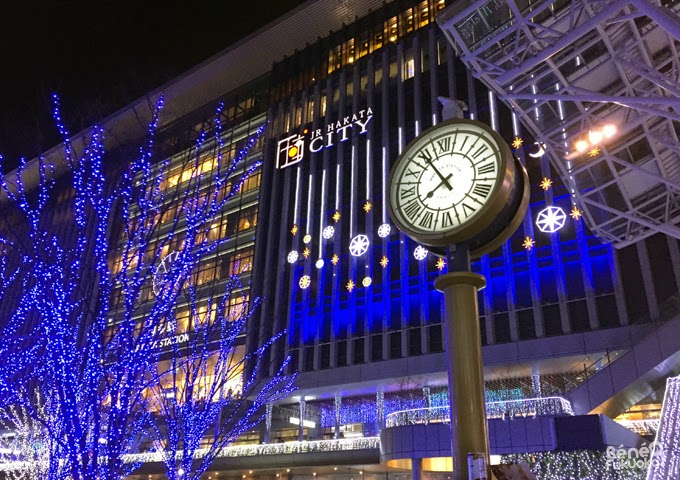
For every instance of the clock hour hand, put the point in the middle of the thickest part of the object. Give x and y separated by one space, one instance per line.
443 182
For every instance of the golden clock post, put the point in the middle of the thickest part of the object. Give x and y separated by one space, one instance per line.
459 187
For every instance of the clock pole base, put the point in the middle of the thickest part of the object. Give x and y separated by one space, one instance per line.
466 375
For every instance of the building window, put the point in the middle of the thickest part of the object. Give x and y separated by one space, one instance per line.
407 23
348 52
409 66
238 263
237 306
391 31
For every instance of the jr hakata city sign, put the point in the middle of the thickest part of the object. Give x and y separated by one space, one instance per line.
292 149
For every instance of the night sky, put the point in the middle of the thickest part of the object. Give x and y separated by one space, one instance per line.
100 55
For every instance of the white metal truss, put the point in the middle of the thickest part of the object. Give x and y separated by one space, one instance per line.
570 67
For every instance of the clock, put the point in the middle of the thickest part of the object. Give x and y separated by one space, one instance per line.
457 182
160 275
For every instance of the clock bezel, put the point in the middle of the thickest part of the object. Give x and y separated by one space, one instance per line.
483 217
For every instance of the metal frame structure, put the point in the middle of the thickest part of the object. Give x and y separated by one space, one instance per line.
567 68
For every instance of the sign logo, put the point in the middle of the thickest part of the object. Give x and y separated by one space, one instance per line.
292 149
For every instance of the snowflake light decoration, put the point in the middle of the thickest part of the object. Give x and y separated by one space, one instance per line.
292 256
307 238
595 152
367 206
420 253
305 282
294 230
550 219
517 142
575 213
546 183
528 243
441 263
328 232
384 261
359 245
366 282
350 285
336 216
306 252
319 263
384 230
335 259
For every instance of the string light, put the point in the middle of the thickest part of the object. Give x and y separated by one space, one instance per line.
517 142
546 183
294 230
93 410
384 261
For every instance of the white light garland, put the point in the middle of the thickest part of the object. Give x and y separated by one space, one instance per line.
384 230
550 219
420 253
328 232
528 407
292 256
665 462
359 245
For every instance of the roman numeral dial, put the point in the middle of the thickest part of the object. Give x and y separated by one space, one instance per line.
445 178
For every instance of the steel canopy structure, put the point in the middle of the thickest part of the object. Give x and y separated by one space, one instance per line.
596 82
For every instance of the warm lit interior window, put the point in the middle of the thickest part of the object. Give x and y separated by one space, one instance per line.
224 378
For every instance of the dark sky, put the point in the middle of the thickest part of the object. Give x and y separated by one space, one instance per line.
99 55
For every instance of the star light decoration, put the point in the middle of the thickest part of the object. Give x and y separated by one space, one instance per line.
328 232
595 152
546 183
384 261
528 243
550 219
367 206
335 259
517 142
306 252
294 230
441 263
350 285
336 216
420 253
305 282
359 245
575 213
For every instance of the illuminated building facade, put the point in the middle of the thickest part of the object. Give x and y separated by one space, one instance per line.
562 311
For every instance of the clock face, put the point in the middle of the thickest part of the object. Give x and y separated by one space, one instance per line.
446 177
160 277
